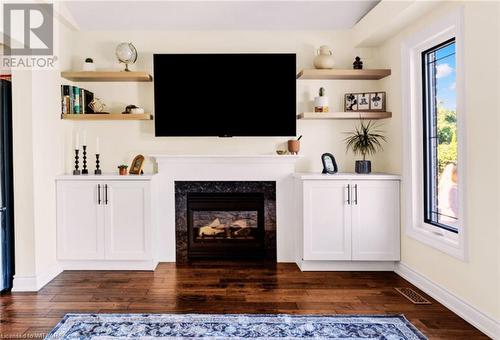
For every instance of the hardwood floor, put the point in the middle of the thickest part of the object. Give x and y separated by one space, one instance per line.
224 288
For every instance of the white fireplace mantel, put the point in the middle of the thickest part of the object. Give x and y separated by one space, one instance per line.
278 168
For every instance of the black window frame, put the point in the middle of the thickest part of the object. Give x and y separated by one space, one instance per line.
429 108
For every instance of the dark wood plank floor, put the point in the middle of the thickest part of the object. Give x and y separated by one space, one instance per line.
224 288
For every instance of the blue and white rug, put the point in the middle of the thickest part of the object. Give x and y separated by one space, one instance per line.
233 326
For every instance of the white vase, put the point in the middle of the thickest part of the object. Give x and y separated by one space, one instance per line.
88 66
321 104
324 58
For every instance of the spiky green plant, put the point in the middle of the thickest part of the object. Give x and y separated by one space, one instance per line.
365 140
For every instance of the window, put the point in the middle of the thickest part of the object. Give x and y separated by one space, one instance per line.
440 163
433 97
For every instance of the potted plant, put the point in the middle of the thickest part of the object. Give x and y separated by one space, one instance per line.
294 146
123 169
365 140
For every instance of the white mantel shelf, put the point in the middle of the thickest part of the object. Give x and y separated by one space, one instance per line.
228 158
345 176
104 177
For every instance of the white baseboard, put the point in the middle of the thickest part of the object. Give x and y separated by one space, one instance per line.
345 265
469 313
33 283
108 265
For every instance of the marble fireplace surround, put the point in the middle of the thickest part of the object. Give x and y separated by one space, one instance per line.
183 188
172 168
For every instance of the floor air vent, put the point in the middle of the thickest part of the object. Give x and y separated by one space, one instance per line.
413 296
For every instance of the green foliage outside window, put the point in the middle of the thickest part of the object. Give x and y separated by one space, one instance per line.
447 135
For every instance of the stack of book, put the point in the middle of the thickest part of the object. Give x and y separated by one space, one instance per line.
75 100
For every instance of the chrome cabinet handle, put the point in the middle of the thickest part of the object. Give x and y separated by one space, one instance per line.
106 194
98 194
348 194
356 194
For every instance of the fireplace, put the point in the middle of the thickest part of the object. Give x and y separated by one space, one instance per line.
225 220
225 225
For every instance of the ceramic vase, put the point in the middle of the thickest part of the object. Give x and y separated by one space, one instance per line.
324 58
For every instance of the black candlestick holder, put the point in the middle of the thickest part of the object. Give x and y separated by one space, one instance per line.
97 171
85 171
76 171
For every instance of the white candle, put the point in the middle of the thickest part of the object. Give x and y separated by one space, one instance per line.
84 137
97 145
77 141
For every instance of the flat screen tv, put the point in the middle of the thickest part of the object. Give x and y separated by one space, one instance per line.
225 95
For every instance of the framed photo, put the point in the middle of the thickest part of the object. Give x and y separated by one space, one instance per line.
350 102
367 101
377 101
364 102
329 164
137 164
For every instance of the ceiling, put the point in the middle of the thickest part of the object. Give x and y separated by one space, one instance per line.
217 15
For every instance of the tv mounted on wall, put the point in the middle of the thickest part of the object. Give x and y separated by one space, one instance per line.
225 94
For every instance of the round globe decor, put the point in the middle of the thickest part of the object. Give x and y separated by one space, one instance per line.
126 53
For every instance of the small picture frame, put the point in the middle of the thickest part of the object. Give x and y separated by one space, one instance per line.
350 102
329 164
136 166
377 101
364 102
367 101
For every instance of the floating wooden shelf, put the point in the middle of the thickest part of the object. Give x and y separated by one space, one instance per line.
345 115
374 74
106 76
110 116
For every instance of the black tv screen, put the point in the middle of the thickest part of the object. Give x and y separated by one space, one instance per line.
225 94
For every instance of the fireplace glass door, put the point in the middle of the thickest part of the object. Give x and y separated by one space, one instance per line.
225 225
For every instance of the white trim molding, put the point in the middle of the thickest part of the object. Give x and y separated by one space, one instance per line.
33 283
445 28
485 323
342 266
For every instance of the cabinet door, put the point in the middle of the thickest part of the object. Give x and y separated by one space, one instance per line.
375 220
80 228
327 215
127 220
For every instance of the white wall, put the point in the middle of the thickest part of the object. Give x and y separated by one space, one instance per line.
475 281
39 142
121 141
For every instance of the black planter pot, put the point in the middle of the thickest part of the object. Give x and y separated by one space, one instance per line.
363 167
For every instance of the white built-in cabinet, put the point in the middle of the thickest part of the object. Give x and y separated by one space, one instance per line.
348 217
104 222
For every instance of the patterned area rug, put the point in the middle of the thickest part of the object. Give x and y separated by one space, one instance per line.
234 326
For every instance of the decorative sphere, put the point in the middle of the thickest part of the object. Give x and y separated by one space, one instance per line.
126 53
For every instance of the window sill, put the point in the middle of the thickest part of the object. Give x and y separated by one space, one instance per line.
438 241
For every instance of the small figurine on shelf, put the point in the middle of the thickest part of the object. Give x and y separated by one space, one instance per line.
321 102
357 64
